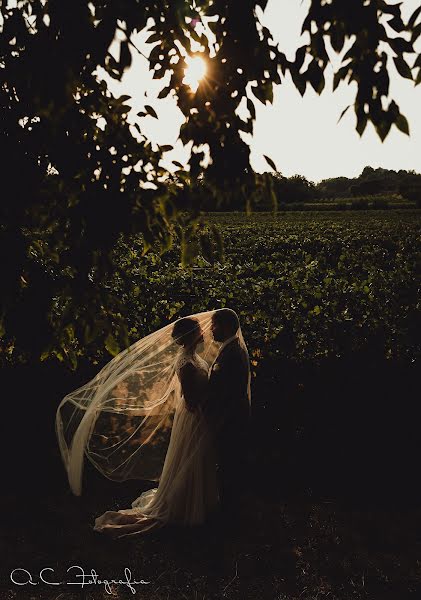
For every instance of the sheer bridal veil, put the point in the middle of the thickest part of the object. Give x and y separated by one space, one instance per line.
121 420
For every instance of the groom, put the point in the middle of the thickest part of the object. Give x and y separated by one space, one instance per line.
228 408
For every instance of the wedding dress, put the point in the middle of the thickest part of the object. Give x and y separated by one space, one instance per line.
187 491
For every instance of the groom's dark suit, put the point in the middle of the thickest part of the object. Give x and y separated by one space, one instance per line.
228 413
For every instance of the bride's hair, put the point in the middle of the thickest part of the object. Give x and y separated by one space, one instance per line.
184 330
228 319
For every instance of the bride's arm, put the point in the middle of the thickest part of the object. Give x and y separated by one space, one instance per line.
189 386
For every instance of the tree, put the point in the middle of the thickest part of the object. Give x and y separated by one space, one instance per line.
76 175
367 188
335 187
410 187
294 189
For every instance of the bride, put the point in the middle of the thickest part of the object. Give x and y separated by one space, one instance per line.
142 417
187 490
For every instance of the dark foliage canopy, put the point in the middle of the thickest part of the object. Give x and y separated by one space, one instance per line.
74 174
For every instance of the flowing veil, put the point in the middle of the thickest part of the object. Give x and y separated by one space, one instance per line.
121 420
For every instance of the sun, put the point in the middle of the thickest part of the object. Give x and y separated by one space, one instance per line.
195 71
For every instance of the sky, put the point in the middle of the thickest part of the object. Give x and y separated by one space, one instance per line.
301 134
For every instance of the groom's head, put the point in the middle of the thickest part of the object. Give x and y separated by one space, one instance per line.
225 324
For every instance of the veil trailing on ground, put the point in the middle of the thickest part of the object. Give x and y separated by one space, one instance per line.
121 420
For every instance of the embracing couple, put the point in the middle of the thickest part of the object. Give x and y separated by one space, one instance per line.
204 462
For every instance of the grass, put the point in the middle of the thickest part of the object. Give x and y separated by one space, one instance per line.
278 549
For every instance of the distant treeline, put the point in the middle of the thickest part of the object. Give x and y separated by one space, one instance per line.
374 188
371 182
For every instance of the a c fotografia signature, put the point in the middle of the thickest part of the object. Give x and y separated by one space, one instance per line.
22 577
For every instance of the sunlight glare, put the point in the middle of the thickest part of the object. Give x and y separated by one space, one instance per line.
195 71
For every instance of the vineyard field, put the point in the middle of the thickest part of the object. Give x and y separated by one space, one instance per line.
307 286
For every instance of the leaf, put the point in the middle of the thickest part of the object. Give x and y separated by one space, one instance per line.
178 164
315 76
270 162
337 38
158 74
306 24
390 9
268 88
264 92
125 56
397 24
321 85
339 76
319 48
111 62
383 129
362 123
402 124
402 67
300 56
258 93
155 37
283 62
351 52
246 126
154 55
299 81
393 111
166 148
344 111
151 111
414 17
251 108
111 345
400 45
383 82
164 92
416 33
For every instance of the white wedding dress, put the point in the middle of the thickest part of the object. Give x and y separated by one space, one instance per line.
187 492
